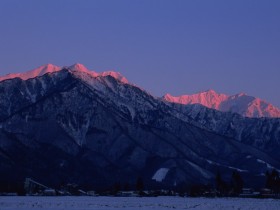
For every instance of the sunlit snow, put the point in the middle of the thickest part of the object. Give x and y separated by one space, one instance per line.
241 103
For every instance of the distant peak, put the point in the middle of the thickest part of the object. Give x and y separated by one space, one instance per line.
212 91
201 93
240 103
47 68
209 98
241 94
114 74
78 67
49 65
41 70
167 95
209 91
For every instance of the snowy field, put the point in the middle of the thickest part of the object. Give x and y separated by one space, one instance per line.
133 203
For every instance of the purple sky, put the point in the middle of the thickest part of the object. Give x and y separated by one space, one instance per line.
175 46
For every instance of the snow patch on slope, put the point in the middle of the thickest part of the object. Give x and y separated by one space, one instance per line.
268 166
231 167
160 174
201 170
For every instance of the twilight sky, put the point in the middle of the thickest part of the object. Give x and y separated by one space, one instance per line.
174 46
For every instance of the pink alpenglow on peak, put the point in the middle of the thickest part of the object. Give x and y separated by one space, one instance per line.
78 67
48 68
114 74
209 98
247 106
81 68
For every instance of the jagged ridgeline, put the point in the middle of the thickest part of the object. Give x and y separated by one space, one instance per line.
72 125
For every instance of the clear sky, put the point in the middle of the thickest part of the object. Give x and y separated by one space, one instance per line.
174 46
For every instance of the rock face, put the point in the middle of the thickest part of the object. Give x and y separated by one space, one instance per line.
247 106
261 133
74 125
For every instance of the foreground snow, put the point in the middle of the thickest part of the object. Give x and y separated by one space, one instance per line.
133 203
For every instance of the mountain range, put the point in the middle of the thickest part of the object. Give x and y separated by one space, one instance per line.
247 106
69 124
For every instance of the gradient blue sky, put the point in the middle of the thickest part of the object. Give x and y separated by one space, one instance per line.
174 46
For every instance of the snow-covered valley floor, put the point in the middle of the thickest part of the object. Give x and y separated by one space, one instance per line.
134 203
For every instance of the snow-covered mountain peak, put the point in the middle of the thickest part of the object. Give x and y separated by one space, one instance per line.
209 91
168 96
209 98
240 103
114 74
78 67
241 94
81 68
48 68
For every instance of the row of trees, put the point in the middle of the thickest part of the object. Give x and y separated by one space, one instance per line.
236 183
139 186
234 186
273 181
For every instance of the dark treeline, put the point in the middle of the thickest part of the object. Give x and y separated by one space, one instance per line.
233 186
273 181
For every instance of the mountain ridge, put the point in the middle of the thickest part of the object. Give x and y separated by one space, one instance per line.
241 103
50 68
